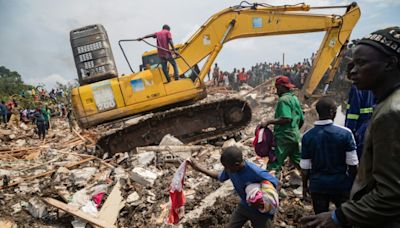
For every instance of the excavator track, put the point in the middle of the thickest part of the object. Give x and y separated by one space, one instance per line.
191 124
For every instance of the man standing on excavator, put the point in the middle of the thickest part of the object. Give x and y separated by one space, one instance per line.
164 38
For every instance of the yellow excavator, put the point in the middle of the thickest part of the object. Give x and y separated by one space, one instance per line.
104 96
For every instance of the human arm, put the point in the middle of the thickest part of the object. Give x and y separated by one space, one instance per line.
172 46
153 35
283 114
351 155
305 175
305 164
278 121
197 167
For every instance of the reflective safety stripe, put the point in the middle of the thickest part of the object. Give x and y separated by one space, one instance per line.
348 106
353 116
366 110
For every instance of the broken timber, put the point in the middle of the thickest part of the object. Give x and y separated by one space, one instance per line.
76 212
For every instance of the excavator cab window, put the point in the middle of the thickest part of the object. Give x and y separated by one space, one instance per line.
150 60
192 73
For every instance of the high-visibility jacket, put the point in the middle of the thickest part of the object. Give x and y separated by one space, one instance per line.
359 110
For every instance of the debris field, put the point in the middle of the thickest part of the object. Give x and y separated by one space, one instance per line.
61 182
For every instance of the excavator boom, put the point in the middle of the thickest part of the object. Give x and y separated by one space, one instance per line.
258 20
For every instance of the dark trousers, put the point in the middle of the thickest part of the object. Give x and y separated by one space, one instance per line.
8 116
164 62
41 129
4 118
241 215
321 201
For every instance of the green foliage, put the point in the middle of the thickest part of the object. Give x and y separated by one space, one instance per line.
11 83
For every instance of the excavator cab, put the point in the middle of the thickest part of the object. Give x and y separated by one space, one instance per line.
150 60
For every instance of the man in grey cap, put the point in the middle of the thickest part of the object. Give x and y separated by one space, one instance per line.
375 195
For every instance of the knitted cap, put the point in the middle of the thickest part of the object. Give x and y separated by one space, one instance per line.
386 40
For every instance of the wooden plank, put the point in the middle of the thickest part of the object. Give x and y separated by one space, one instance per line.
7 223
42 164
110 210
78 213
259 86
79 135
83 138
19 150
46 173
7 156
89 156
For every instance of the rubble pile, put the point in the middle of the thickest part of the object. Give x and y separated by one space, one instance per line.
60 183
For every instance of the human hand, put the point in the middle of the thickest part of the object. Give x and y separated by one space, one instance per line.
306 192
264 122
259 204
194 164
320 220
174 54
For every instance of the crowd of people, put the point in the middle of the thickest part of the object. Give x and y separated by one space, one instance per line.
261 72
45 105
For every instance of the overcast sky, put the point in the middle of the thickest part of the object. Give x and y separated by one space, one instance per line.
34 34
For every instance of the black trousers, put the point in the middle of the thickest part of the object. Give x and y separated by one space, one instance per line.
321 201
241 215
41 129
4 118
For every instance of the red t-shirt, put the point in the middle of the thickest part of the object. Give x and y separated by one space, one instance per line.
242 76
163 37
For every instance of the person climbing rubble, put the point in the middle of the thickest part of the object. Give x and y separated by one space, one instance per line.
241 173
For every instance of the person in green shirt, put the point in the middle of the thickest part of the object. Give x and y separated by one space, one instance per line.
287 123
46 114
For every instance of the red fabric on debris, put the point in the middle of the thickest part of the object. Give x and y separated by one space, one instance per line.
177 196
97 199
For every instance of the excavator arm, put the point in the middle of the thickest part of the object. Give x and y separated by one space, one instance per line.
264 20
